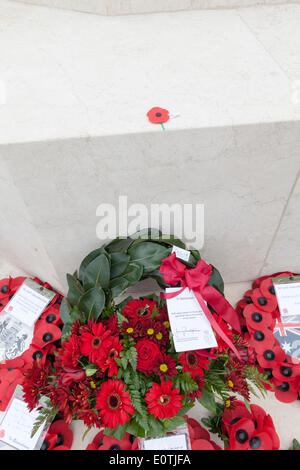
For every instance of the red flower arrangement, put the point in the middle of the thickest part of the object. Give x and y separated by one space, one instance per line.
259 313
59 437
117 367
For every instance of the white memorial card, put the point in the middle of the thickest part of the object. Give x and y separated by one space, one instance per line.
181 253
172 442
190 327
16 427
29 302
287 291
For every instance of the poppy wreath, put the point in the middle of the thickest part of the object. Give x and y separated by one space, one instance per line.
258 312
46 338
243 426
117 368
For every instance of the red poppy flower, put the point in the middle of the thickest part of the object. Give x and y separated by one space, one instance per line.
249 430
164 366
257 319
193 362
91 342
114 403
286 392
139 309
58 435
147 352
103 442
110 350
163 401
45 334
264 303
158 115
9 379
270 357
261 340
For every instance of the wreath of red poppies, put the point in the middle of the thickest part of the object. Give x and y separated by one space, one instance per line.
46 339
258 312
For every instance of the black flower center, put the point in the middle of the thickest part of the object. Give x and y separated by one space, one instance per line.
255 443
269 355
47 337
286 371
115 447
4 289
257 317
50 318
259 336
158 114
262 301
241 436
60 439
37 355
284 387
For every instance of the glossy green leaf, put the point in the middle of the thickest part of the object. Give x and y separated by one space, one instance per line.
119 263
75 289
92 302
149 255
97 273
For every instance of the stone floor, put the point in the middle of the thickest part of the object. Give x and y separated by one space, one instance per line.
286 417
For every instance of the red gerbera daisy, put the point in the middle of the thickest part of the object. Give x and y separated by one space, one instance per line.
110 350
163 401
194 362
139 309
165 366
91 342
114 403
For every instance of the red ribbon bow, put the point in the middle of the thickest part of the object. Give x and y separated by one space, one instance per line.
196 279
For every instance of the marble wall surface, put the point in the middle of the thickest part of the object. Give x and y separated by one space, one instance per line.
245 176
131 7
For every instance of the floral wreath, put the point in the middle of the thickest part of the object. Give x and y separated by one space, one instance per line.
117 367
45 340
259 312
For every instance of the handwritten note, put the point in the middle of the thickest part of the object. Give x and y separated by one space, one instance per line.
190 327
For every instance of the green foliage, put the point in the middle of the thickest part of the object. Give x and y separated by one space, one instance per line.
208 400
256 381
295 445
184 382
213 423
46 415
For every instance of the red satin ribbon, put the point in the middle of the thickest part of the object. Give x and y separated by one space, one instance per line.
196 279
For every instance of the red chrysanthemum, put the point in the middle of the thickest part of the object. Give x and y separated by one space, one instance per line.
164 366
194 362
114 403
110 350
163 400
91 341
237 383
139 309
70 352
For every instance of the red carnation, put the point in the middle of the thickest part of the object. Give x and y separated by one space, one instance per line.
147 352
163 401
194 362
158 115
91 342
70 352
114 403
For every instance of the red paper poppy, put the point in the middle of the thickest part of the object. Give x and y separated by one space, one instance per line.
59 436
158 115
257 319
103 442
45 334
114 403
264 303
163 400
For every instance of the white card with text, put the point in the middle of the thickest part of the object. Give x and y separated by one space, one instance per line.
28 303
17 424
288 297
190 327
181 253
171 442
